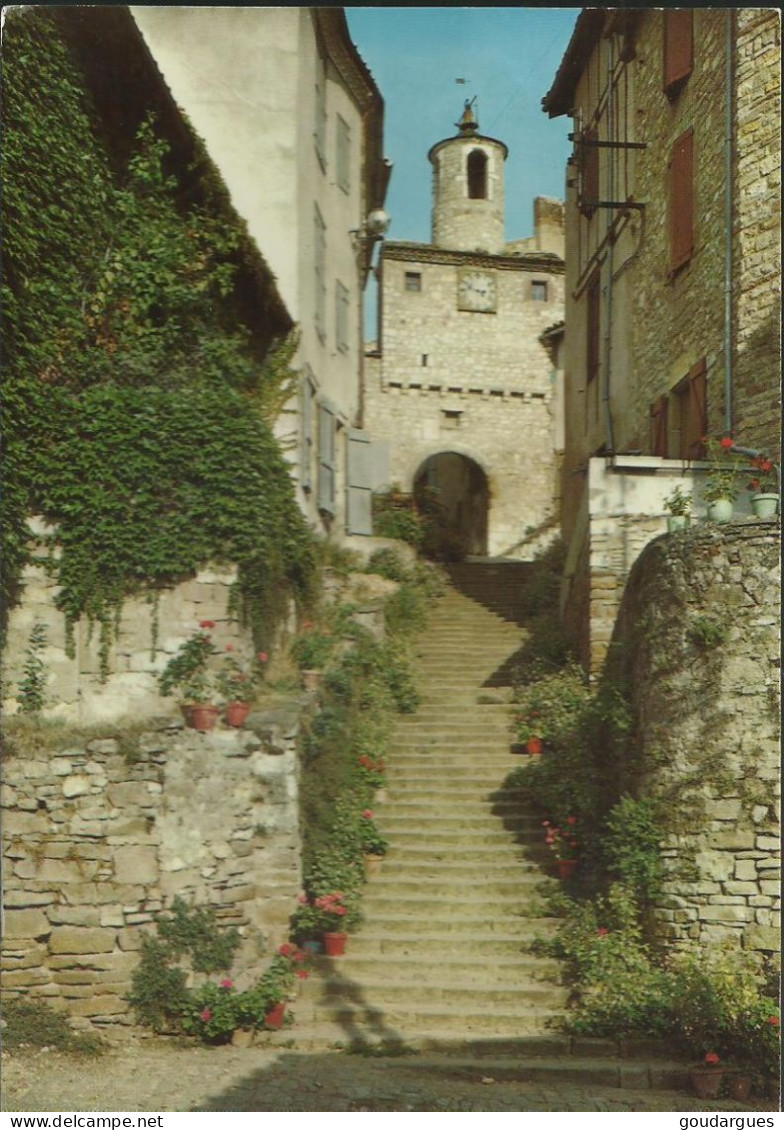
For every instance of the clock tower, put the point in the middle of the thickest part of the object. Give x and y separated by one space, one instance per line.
461 384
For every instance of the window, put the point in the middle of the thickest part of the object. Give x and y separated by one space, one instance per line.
319 267
691 402
343 155
477 175
413 281
539 291
321 111
308 392
678 48
593 328
681 201
341 316
424 360
327 458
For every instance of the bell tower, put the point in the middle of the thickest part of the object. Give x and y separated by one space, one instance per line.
468 189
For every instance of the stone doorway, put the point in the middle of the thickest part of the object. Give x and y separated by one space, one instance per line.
454 489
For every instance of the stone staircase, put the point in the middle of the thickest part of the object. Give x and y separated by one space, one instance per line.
441 964
442 956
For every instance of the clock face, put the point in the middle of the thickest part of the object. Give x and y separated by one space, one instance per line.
476 291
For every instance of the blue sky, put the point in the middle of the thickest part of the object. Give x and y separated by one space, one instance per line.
509 56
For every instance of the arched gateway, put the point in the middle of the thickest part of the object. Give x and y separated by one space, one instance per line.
460 488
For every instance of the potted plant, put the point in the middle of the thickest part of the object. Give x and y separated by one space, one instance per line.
764 487
277 983
372 772
678 507
187 673
326 915
529 731
707 1077
311 651
237 682
374 846
563 843
721 483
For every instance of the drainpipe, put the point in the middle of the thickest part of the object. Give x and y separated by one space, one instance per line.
609 261
728 228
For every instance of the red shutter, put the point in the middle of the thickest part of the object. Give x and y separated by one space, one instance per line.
678 47
590 172
695 426
681 197
659 427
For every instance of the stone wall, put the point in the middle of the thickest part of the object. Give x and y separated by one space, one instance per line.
698 637
75 691
101 835
758 228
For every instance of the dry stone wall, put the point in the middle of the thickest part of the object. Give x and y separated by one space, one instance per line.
96 842
698 636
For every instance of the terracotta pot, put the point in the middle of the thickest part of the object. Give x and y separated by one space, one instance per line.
764 505
707 1081
720 510
566 868
739 1086
335 944
237 712
200 717
373 865
311 680
274 1018
534 746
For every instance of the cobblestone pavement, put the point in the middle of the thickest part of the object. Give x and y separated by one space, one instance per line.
154 1076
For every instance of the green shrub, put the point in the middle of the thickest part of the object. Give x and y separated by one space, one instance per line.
34 1023
631 846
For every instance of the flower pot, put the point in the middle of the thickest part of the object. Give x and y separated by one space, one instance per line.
534 746
274 1018
707 1081
720 510
764 505
335 944
373 865
739 1086
200 717
566 868
311 680
237 712
677 522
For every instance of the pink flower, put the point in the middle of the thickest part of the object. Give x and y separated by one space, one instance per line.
206 1015
774 1020
727 443
303 898
303 974
262 657
712 1057
368 814
571 819
230 647
227 983
545 823
602 931
207 624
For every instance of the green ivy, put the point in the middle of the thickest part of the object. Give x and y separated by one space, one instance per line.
138 404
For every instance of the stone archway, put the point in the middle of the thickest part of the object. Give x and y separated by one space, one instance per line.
459 487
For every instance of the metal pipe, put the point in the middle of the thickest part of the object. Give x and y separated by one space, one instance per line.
609 263
728 407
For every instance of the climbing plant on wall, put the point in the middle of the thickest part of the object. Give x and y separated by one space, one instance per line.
138 405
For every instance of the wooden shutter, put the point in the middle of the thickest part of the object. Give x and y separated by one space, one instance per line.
308 393
367 470
681 200
327 458
590 172
694 425
678 47
659 427
593 328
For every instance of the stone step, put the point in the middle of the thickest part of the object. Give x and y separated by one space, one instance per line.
325 995
399 866
473 929
440 821
371 943
439 968
410 1017
424 851
390 885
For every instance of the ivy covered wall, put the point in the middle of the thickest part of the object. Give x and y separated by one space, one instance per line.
146 347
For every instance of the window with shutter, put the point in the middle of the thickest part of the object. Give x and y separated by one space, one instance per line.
343 155
320 271
320 132
327 458
693 411
681 201
678 48
659 437
593 328
341 316
308 395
